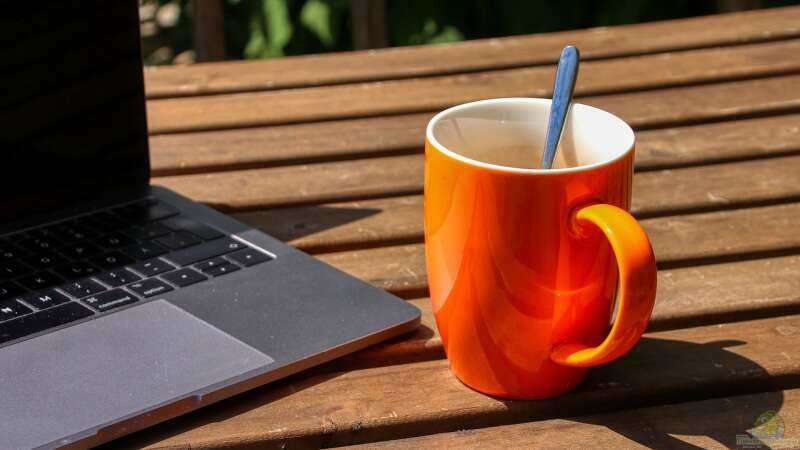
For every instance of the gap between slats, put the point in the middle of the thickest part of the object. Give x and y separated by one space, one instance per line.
233 150
656 193
763 91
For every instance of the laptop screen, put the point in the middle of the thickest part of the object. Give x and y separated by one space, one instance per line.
72 116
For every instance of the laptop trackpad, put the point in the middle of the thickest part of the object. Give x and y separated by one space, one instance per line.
74 380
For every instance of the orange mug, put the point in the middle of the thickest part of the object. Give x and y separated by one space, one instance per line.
524 264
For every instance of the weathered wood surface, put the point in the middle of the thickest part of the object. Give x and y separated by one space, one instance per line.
690 188
324 152
173 154
678 241
405 400
709 424
404 62
689 296
398 220
660 107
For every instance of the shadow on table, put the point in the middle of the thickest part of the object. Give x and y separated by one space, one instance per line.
696 366
288 224
275 391
224 410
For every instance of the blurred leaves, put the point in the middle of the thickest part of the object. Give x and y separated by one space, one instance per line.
273 28
270 29
291 27
324 18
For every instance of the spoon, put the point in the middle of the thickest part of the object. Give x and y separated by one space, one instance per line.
566 74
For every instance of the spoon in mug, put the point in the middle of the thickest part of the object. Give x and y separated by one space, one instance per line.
566 74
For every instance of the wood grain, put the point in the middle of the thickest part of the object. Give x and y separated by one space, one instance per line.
173 154
343 226
678 241
710 424
423 398
286 144
651 108
398 220
702 295
404 62
656 192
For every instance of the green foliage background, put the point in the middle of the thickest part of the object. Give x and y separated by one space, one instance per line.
273 28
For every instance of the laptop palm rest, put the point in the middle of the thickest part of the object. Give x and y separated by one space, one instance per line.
112 367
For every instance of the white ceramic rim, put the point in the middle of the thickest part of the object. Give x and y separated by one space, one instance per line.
623 128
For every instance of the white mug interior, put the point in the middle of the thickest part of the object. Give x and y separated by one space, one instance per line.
476 132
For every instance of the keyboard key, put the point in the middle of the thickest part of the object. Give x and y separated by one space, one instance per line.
113 240
45 260
42 320
81 250
205 232
111 260
73 232
111 299
152 267
76 269
249 257
48 233
10 252
149 287
179 239
40 280
9 289
184 277
10 309
147 231
145 211
203 251
45 299
118 277
144 250
83 288
213 262
13 269
221 270
35 245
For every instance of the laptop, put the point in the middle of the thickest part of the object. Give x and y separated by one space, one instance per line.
123 304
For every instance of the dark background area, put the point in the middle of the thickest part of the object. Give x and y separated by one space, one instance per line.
186 31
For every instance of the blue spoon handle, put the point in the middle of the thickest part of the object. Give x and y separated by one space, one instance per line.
566 74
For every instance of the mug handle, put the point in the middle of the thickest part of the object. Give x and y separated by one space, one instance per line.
637 287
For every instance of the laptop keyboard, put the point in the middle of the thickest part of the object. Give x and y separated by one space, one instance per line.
73 269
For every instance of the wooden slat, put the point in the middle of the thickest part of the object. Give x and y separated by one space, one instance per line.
711 424
325 141
674 105
468 56
655 192
678 241
343 226
716 186
307 183
398 269
691 296
686 296
718 142
423 398
296 143
398 220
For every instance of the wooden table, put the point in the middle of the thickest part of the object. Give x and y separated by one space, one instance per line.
325 152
